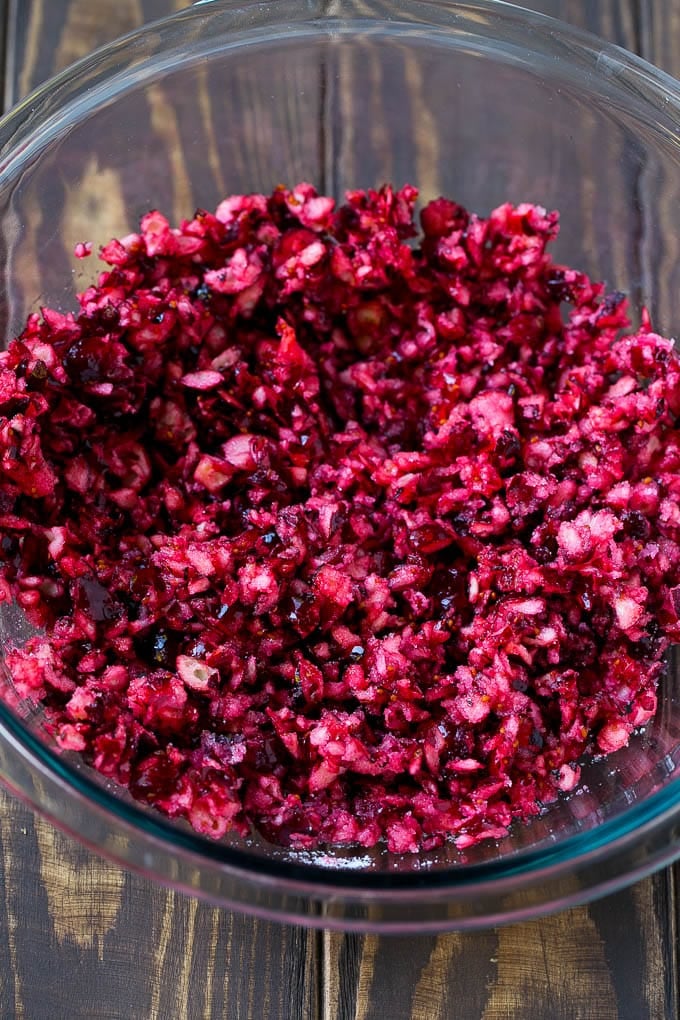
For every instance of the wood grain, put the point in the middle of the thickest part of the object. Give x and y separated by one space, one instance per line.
608 961
80 938
615 959
659 35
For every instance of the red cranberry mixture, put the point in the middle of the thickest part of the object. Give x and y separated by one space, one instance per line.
338 536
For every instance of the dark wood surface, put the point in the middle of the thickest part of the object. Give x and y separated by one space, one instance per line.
82 940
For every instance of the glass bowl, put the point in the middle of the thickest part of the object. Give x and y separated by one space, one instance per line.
480 101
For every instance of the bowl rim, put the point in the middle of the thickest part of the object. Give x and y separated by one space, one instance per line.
590 844
609 63
642 79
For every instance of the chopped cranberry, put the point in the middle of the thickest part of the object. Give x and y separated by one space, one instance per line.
336 535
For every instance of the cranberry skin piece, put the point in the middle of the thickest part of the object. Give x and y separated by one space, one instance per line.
86 361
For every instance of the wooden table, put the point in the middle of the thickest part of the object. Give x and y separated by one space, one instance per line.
83 940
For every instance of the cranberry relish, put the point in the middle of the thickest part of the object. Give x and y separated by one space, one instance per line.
338 537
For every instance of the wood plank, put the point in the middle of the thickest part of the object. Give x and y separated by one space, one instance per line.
660 32
80 937
602 962
613 959
48 35
660 186
615 22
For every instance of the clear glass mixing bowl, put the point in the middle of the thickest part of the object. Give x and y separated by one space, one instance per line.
480 101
